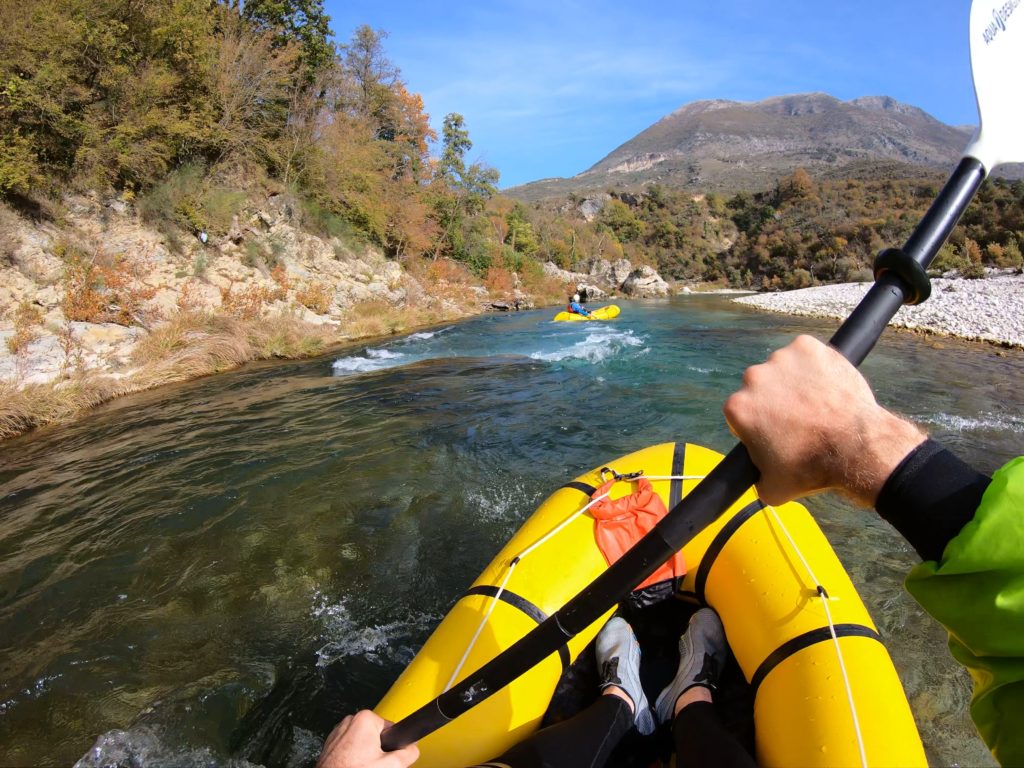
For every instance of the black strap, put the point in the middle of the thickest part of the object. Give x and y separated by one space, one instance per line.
675 488
718 544
524 605
576 485
806 640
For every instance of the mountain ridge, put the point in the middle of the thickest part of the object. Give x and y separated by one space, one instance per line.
725 145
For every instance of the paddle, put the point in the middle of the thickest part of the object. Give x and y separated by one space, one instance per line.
997 56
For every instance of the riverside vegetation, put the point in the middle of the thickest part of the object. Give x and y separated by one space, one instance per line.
186 185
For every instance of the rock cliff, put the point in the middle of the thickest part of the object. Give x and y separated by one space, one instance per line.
79 290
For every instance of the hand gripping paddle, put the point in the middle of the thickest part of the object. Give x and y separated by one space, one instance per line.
997 62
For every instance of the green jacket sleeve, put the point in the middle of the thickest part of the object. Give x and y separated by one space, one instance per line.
976 590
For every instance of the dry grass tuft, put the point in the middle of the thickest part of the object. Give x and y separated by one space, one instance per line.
23 409
316 296
375 318
103 289
499 281
191 345
198 344
27 319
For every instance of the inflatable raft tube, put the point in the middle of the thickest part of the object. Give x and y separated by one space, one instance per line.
604 313
753 566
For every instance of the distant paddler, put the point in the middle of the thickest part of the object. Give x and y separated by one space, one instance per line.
576 308
576 311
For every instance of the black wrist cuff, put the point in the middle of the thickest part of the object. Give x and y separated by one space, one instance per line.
930 496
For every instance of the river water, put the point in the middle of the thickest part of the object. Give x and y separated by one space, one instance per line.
213 573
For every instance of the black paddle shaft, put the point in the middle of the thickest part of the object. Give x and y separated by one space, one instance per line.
712 496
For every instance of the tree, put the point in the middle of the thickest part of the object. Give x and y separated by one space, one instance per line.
251 84
521 236
618 217
19 168
409 129
296 21
455 144
797 186
458 192
106 92
373 78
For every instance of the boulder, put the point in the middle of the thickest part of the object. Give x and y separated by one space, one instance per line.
603 279
644 282
620 271
591 291
592 206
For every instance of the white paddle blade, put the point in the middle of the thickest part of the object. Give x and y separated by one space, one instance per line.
997 62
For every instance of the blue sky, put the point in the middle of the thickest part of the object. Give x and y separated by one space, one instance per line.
549 88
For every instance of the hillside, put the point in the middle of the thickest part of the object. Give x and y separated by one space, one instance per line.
217 182
728 146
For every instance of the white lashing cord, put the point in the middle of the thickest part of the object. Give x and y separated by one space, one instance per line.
515 561
823 594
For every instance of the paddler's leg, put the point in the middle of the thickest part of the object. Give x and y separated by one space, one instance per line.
588 739
584 741
701 739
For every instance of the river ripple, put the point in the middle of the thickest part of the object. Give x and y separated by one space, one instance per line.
216 571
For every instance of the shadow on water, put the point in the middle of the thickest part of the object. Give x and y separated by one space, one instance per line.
221 569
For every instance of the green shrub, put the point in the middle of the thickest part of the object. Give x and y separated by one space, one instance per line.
1011 256
326 223
947 259
172 202
19 171
277 247
861 275
187 199
798 278
972 271
221 206
265 255
199 265
252 255
512 260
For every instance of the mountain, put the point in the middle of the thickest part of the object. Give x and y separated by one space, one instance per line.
726 146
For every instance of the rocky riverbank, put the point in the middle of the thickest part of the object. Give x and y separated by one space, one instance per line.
95 302
989 309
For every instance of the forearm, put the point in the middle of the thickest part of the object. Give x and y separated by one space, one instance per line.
930 496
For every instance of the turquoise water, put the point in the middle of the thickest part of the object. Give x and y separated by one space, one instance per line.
214 573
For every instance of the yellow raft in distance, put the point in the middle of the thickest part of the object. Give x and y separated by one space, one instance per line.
604 313
745 565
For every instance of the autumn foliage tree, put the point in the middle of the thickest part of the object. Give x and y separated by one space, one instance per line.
190 107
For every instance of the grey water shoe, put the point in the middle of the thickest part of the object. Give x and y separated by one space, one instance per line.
702 654
618 663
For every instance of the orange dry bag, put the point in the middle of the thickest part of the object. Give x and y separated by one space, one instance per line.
623 522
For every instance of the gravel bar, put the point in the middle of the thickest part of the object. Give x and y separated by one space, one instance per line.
989 309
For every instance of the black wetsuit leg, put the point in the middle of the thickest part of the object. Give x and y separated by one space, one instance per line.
702 740
583 741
